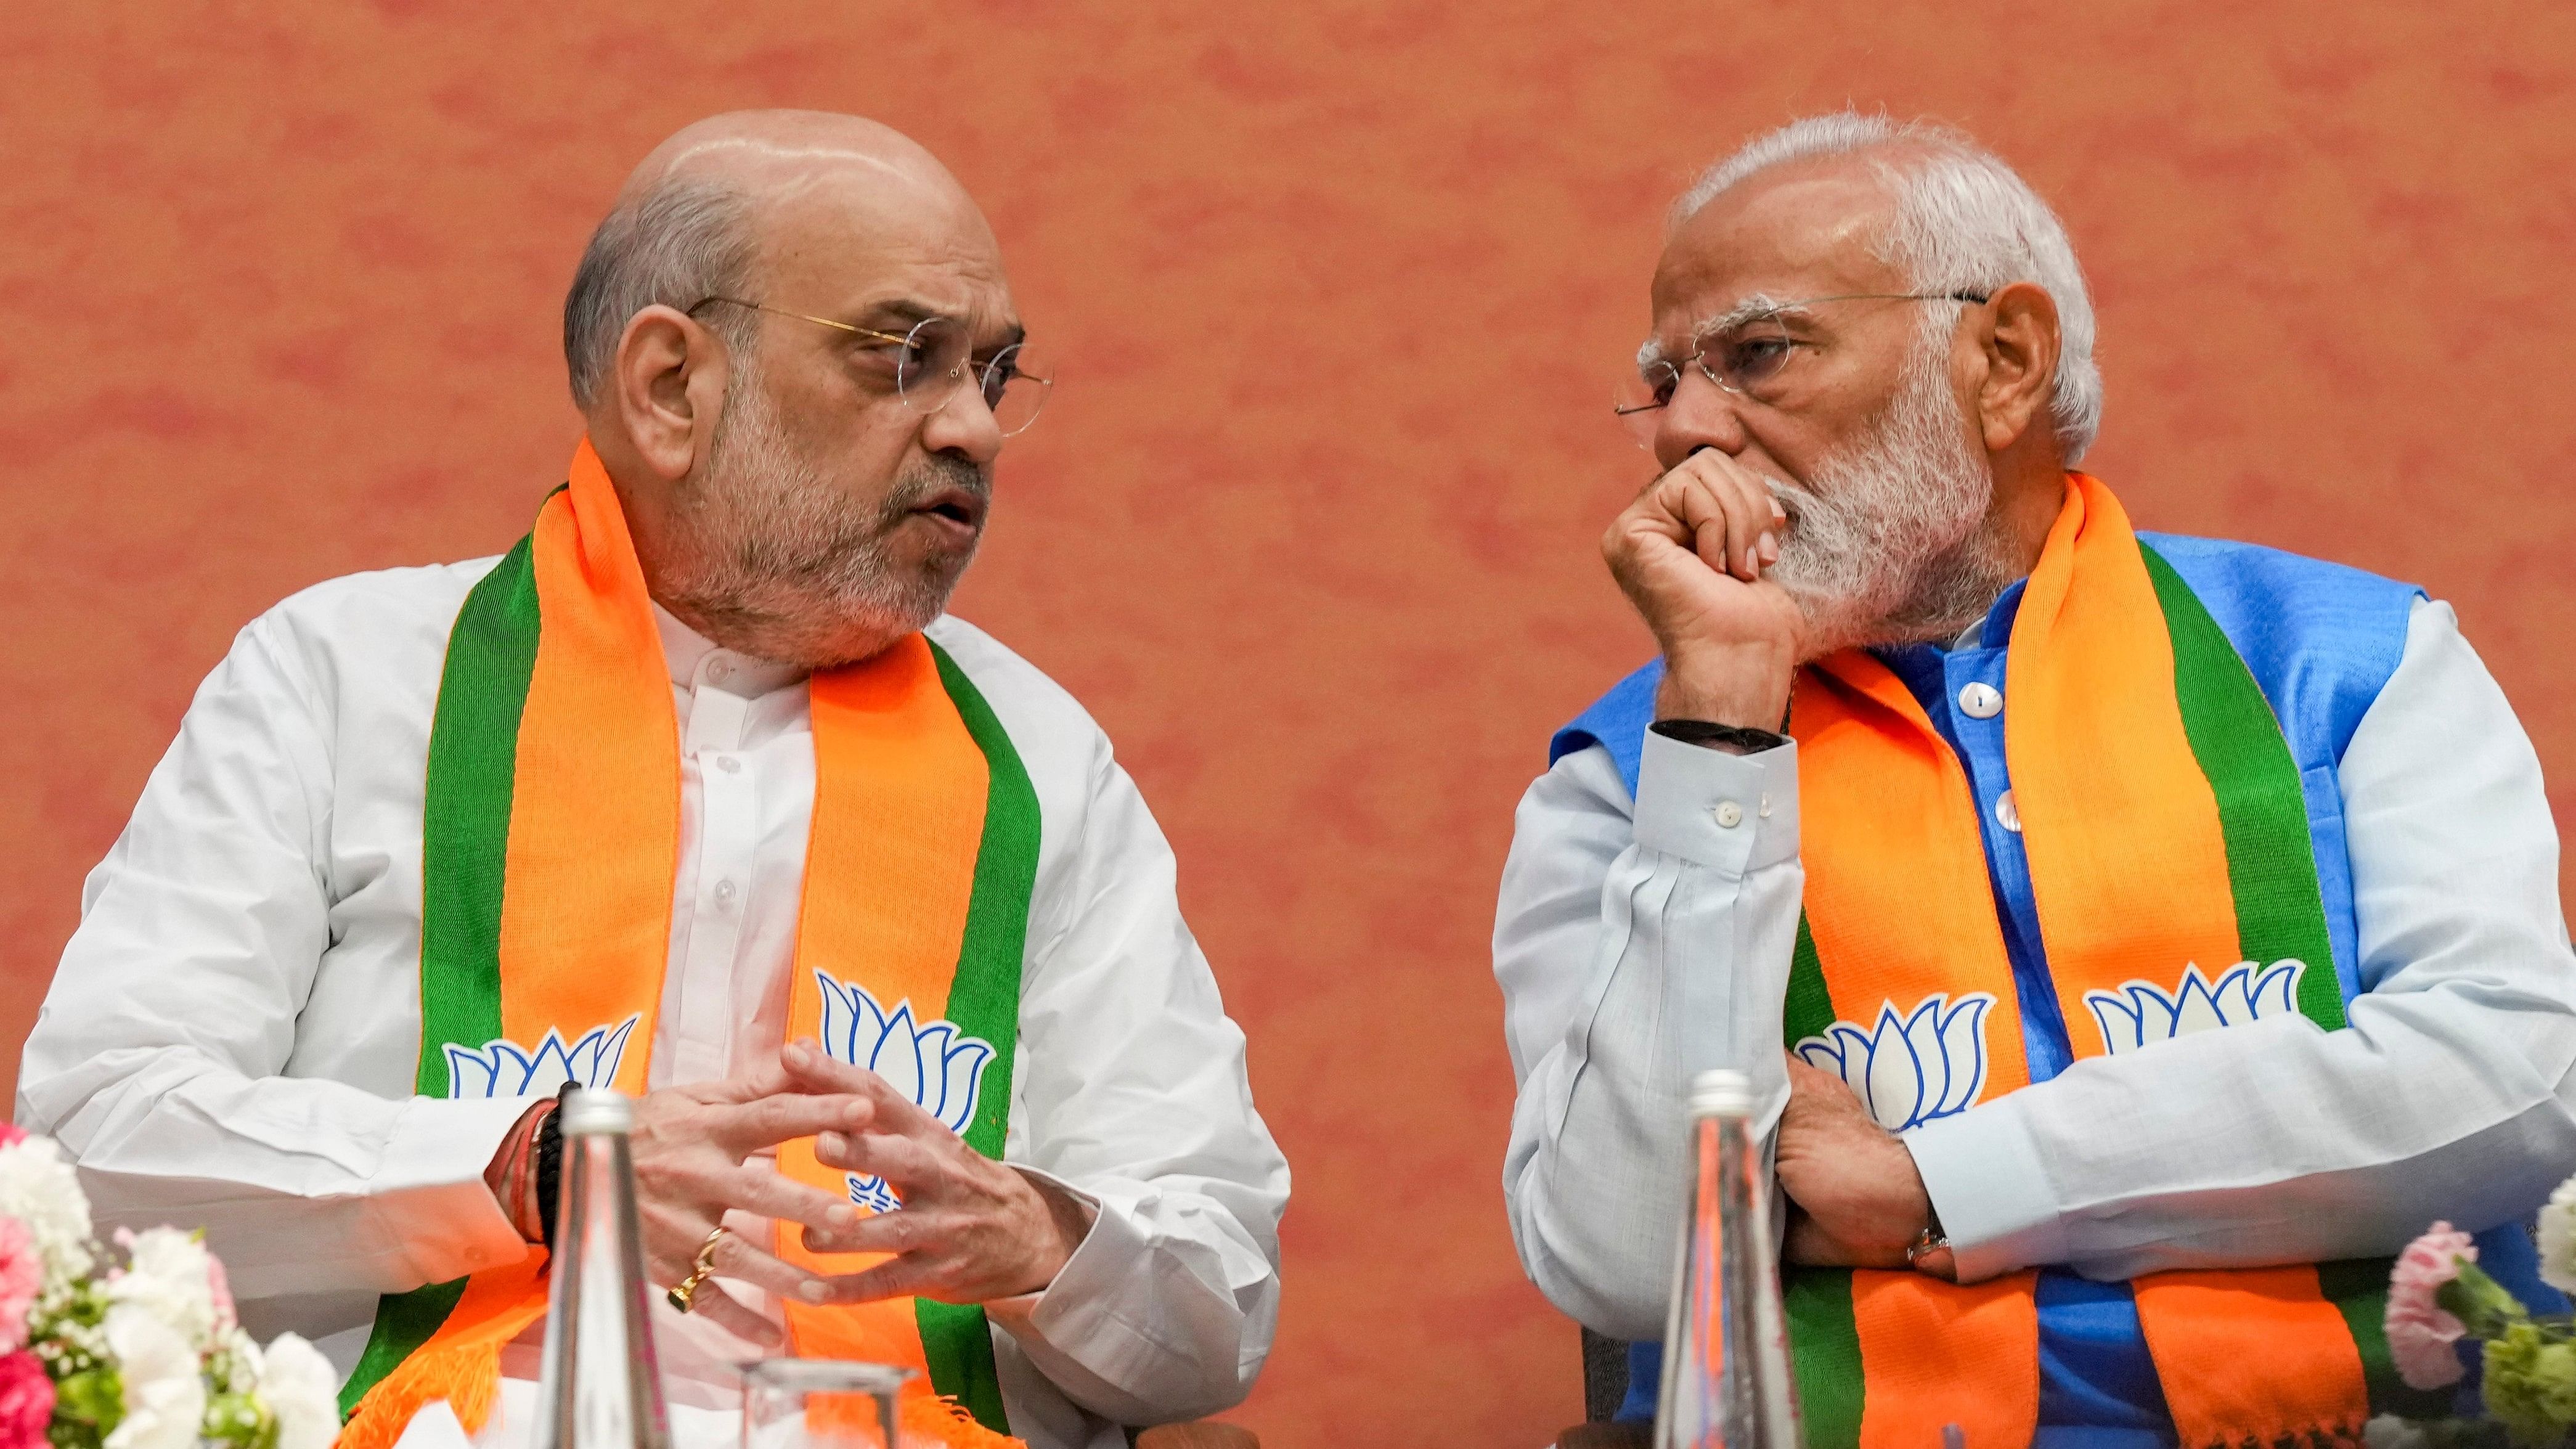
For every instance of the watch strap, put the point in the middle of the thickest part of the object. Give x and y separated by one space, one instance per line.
1708 732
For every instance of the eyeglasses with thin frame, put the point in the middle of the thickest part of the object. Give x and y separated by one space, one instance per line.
1747 356
934 359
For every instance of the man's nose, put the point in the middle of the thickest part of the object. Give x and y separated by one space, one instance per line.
965 426
1700 415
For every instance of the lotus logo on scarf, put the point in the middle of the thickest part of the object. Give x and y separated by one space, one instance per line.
939 1067
2141 1013
1908 1071
501 1068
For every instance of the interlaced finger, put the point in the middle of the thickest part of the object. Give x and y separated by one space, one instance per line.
775 1195
713 1303
737 1258
912 1274
910 1163
905 1230
747 1127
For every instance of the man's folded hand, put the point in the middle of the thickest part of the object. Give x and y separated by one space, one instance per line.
970 1229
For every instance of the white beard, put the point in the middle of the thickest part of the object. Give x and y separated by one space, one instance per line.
779 564
1891 544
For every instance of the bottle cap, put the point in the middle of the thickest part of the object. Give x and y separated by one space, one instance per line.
1721 1090
597 1113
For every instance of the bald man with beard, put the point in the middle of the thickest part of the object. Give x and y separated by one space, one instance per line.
2129 940
699 794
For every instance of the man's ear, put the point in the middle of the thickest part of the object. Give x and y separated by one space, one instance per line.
666 388
2020 341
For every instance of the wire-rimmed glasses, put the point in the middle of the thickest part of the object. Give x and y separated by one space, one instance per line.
1747 355
935 358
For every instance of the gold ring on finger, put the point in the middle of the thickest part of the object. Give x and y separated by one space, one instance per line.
684 1294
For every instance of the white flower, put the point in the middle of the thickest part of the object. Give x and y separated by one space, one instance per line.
2141 1013
939 1067
2558 1238
299 1387
2390 1432
169 1275
39 1188
1910 1070
501 1068
165 1392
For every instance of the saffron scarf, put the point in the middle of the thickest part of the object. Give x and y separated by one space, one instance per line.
550 839
2160 810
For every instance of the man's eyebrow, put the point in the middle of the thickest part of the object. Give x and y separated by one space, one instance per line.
1758 304
906 311
902 314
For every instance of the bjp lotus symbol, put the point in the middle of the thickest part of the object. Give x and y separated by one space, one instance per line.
2141 1013
1909 1070
939 1067
502 1068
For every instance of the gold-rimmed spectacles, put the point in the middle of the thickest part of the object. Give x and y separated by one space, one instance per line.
934 358
1749 355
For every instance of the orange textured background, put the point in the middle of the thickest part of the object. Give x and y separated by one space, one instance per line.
1335 291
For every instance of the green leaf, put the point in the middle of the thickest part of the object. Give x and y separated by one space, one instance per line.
2485 1307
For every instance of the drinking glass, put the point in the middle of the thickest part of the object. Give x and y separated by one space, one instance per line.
820 1403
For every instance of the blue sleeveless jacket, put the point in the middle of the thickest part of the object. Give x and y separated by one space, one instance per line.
2321 640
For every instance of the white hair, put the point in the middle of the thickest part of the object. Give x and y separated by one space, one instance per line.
679 242
1964 222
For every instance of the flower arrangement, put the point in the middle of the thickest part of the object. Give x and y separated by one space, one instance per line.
2438 1296
143 1354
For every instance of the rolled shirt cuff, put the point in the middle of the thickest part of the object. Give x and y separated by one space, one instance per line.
429 1198
1989 1188
1075 1314
1731 813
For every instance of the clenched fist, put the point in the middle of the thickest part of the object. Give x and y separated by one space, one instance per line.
1690 553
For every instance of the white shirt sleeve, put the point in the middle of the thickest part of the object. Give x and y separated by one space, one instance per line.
159 1060
1135 1095
2450 1096
1633 954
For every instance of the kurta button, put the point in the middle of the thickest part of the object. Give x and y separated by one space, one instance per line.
2008 814
719 671
1729 814
729 764
724 892
1980 700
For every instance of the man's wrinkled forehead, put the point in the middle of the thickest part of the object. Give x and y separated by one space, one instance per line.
836 238
1804 232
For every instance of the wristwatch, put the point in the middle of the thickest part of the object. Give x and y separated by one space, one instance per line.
1739 738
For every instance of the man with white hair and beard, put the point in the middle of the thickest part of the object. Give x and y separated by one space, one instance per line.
2131 940
697 794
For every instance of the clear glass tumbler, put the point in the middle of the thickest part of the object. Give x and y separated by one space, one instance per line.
820 1403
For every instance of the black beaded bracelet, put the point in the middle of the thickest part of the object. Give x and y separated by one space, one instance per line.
549 1153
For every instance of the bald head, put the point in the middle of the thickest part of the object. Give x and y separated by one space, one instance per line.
726 201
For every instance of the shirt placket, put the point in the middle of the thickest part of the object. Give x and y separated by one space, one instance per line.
727 839
1971 712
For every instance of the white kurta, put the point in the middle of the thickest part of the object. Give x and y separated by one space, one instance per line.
1640 941
232 1038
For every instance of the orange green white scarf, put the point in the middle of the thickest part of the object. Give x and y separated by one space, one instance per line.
2161 813
550 838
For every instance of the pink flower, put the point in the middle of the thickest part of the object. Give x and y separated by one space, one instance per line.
11 1134
2420 1333
221 1289
26 1402
22 1275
